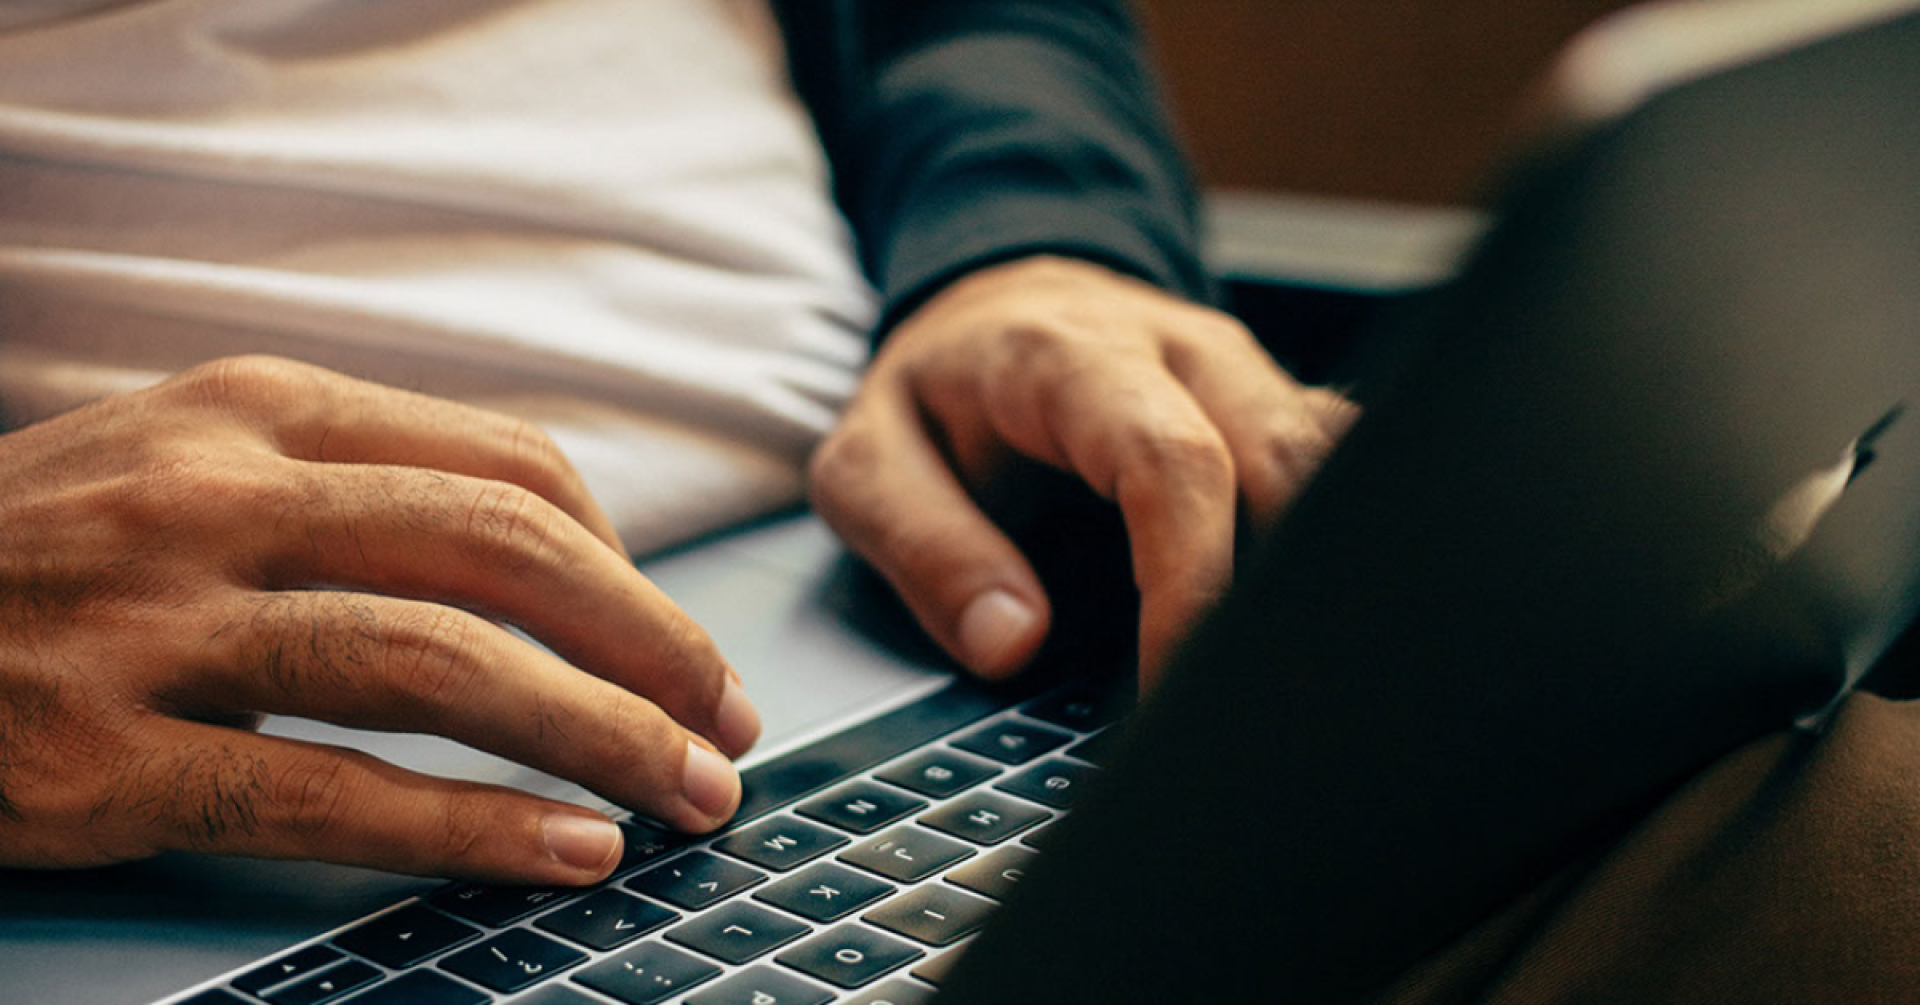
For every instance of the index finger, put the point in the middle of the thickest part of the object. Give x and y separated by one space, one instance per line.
1138 438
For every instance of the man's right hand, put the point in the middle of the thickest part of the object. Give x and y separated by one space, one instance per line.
259 536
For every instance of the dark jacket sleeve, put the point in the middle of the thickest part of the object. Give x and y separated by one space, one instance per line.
968 132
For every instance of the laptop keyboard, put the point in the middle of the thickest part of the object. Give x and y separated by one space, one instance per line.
855 873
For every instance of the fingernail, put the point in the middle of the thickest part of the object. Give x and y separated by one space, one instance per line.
995 623
711 783
736 724
581 842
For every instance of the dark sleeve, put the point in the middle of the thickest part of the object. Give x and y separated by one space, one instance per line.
969 132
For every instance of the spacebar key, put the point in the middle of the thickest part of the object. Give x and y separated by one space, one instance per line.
422 987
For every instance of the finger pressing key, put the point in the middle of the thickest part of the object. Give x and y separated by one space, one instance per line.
225 791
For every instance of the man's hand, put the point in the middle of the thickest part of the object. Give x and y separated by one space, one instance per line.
257 536
1169 410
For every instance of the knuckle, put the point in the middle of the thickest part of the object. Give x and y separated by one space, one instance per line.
248 383
1192 452
844 460
1033 346
517 529
309 796
464 824
432 661
636 731
35 788
686 644
534 449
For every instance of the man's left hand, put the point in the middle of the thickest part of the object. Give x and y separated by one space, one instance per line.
1169 410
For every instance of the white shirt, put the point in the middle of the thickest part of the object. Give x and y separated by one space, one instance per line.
609 217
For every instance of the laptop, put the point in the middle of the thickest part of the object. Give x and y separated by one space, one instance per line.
1634 489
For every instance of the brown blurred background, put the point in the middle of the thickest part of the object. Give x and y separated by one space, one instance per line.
1403 100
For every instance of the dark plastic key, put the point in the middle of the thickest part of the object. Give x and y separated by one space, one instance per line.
1012 742
907 854
781 843
826 892
997 874
422 987
850 956
894 992
935 915
761 986
695 880
496 906
985 818
1054 783
292 966
557 994
1096 749
737 932
936 970
939 773
512 960
644 843
606 920
215 996
862 807
405 937
647 974
1084 708
327 985
1039 836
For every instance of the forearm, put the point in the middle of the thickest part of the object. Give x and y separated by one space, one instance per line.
977 132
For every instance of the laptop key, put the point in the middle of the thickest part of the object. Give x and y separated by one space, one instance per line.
647 974
405 937
997 874
935 915
936 970
696 880
496 906
850 956
907 854
895 992
1083 708
737 932
1096 749
512 960
780 844
326 986
422 987
607 920
215 996
985 818
557 994
826 892
1054 783
862 807
644 843
292 966
939 773
1012 742
761 986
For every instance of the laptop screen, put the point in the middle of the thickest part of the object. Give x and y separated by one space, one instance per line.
1641 491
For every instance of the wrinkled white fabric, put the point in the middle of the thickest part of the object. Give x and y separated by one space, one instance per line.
610 217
